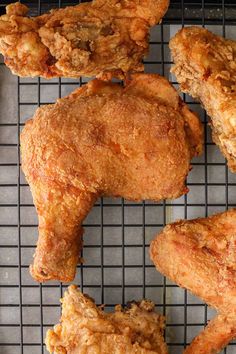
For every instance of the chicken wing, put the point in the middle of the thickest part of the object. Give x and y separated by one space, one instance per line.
134 142
200 255
86 328
106 37
205 67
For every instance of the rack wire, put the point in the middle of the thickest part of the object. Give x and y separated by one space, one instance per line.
117 232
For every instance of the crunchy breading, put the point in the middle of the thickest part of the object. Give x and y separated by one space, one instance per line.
205 67
134 142
86 328
200 255
103 37
217 334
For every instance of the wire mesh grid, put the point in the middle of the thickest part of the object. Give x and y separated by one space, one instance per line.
117 232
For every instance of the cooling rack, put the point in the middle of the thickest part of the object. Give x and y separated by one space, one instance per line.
117 233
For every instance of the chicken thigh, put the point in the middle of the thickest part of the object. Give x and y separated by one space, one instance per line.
103 37
86 328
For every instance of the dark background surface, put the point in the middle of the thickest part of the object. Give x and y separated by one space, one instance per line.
191 11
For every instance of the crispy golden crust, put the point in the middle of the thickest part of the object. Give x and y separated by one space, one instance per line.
85 328
205 67
97 38
200 255
217 334
131 142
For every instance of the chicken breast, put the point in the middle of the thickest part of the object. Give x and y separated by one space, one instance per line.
205 67
103 37
200 255
86 328
134 142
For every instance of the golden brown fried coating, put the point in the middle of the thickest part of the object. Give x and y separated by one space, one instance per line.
134 142
86 328
217 334
200 255
205 67
103 37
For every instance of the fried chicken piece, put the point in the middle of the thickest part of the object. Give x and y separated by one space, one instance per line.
134 142
205 67
103 37
217 334
86 328
200 255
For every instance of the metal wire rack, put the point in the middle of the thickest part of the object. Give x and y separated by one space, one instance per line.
117 232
